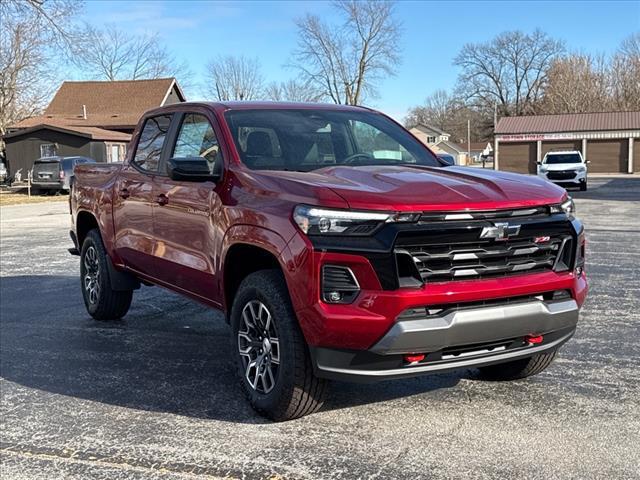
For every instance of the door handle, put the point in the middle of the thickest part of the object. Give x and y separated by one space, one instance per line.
162 199
124 193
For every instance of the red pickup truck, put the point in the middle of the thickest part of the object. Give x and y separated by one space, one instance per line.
337 245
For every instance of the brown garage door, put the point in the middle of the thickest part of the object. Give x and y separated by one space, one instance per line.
567 145
636 156
517 157
608 156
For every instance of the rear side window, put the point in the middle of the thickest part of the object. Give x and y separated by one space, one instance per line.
155 130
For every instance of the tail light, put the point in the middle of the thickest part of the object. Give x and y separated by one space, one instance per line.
61 174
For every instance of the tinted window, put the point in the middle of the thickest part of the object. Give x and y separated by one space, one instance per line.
197 139
305 140
562 158
151 140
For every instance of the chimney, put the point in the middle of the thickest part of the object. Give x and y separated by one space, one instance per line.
84 112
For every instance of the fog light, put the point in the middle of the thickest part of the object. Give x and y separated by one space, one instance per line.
335 296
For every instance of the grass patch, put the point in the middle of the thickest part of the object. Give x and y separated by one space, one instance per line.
21 197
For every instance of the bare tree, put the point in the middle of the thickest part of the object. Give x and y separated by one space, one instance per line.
436 111
576 83
509 70
625 74
34 33
112 54
234 78
292 91
345 61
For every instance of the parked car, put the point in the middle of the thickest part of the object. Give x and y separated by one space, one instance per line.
564 167
447 158
3 172
55 173
335 244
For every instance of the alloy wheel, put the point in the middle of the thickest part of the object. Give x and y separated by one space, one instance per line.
259 346
92 275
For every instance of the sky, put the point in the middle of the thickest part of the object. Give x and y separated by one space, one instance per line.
432 34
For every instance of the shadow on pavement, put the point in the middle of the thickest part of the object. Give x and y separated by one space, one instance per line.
624 189
168 354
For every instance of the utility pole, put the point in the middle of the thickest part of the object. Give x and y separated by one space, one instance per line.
468 141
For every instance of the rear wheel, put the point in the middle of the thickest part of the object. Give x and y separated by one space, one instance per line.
102 301
517 369
272 357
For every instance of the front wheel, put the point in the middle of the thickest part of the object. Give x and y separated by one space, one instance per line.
518 369
272 357
102 301
583 186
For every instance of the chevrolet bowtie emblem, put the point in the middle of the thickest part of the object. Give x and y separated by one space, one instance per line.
500 231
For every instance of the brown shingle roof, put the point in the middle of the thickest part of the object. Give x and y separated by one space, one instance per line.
93 133
575 122
108 104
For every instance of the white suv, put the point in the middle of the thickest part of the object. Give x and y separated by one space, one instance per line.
566 167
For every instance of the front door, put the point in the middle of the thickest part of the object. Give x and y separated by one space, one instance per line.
185 219
135 198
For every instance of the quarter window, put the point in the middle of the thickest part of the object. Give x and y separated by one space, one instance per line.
197 139
150 144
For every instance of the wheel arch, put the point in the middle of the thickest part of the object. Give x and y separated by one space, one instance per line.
85 222
248 249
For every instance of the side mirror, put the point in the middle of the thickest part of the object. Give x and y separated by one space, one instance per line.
538 162
192 169
588 161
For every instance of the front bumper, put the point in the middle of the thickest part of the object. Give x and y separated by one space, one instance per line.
459 338
579 179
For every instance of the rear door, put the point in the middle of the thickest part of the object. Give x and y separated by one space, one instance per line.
135 197
186 216
46 171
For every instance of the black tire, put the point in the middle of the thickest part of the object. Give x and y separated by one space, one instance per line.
518 369
583 187
103 303
295 391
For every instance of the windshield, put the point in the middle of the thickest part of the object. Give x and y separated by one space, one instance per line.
562 158
305 140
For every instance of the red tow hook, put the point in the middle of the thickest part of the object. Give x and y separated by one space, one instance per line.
414 357
533 339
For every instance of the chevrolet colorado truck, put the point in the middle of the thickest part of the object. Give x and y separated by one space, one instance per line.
337 245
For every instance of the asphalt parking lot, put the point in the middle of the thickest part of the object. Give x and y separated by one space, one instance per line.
155 396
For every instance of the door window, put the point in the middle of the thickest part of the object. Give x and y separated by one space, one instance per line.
155 130
197 139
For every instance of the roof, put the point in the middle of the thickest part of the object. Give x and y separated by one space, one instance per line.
479 145
432 128
573 122
454 146
108 104
92 133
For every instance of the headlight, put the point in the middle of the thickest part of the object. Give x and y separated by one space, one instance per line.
568 207
325 221
581 169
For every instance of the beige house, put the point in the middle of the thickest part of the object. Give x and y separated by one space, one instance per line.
439 142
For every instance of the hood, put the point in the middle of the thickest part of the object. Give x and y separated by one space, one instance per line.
412 188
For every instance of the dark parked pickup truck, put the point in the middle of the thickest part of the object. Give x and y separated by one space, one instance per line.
337 245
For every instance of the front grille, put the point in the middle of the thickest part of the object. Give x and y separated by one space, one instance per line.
481 259
561 175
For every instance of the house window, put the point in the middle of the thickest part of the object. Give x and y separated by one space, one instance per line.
116 152
48 150
431 139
